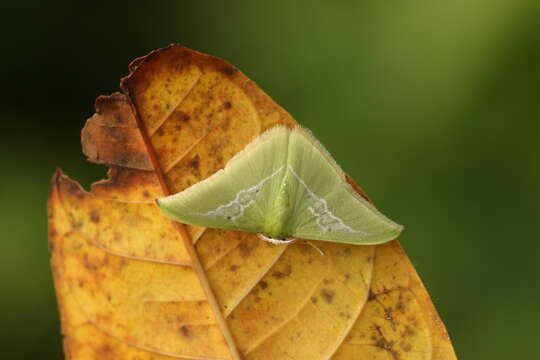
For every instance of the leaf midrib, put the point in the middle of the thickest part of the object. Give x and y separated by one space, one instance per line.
196 263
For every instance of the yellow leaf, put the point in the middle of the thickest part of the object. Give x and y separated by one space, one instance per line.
132 284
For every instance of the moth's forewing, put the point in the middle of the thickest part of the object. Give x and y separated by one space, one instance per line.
239 197
326 207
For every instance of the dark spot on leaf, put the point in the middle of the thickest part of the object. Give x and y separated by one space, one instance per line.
194 163
183 116
227 70
263 284
344 315
105 351
384 344
413 320
233 267
372 295
314 300
123 263
406 347
227 105
94 216
146 194
184 330
245 249
281 274
327 295
88 263
409 332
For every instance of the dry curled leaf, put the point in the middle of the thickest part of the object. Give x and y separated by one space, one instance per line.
131 284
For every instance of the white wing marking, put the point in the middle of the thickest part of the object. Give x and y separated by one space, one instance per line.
235 208
326 220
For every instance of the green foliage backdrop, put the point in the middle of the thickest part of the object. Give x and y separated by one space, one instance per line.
432 106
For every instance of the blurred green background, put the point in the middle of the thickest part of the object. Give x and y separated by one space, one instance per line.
432 106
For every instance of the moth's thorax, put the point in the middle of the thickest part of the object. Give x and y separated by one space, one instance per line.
280 211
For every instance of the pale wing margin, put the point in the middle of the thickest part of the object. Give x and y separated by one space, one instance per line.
326 207
239 196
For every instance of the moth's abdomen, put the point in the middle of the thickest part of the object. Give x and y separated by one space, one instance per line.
281 210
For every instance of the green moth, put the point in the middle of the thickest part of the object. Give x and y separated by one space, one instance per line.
284 185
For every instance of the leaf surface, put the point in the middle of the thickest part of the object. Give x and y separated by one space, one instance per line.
131 284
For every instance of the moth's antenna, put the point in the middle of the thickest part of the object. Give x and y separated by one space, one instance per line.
316 247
